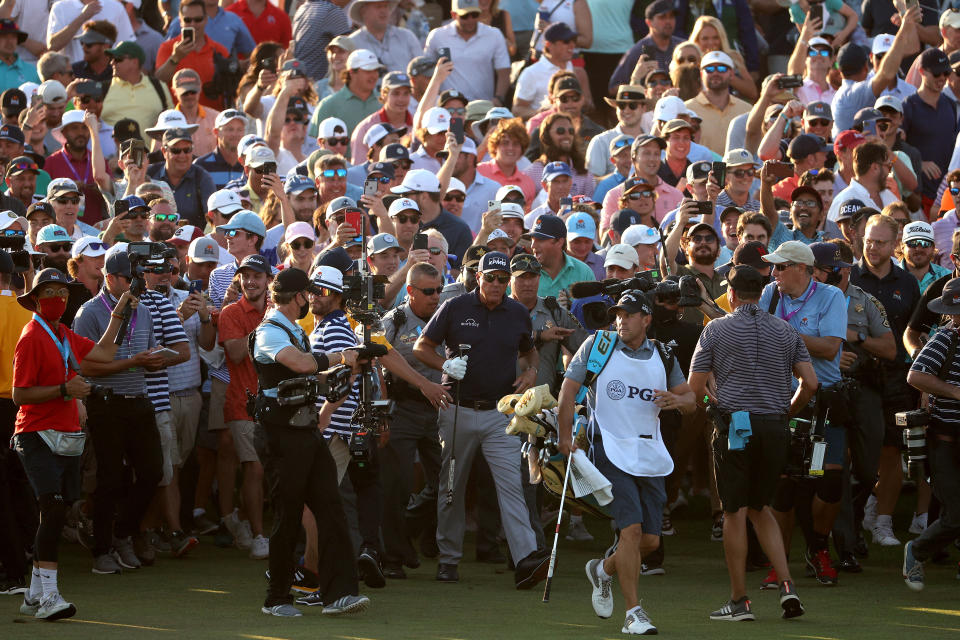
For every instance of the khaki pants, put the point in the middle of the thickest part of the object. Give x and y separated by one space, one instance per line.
186 420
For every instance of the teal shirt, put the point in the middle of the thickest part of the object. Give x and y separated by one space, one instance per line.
935 272
14 75
573 271
347 106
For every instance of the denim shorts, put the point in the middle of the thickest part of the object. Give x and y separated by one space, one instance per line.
48 473
636 500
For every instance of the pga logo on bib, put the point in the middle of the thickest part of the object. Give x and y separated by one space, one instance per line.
617 390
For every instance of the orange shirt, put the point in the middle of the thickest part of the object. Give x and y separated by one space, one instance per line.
200 60
236 321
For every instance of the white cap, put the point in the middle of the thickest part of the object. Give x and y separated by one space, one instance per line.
170 119
259 155
881 43
457 185
229 115
819 42
668 108
7 218
716 57
363 59
436 120
330 127
622 255
299 229
499 234
506 190
74 116
328 277
204 249
511 210
890 101
418 180
469 146
224 201
376 133
694 115
640 234
918 230
402 204
29 89
51 91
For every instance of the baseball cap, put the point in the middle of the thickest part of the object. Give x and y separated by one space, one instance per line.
127 49
291 280
622 255
245 221
890 102
393 152
567 83
950 18
791 251
132 203
185 235
849 208
619 143
298 184
644 139
9 26
12 102
743 278
624 219
675 125
247 142
126 129
186 80
849 139
805 144
227 116
555 169
640 234
866 114
559 31
342 41
297 105
379 131
456 184
172 136
882 43
225 201
256 262
421 66
395 79
494 261
851 59
451 94
402 204
299 229
948 303
700 226
203 249
12 133
436 120
507 189
338 204
817 41
809 191
731 209
657 7
328 277
259 155
89 88
827 256
737 157
363 59
330 127
465 6
293 68
633 301
818 110
511 210
668 108
52 91
61 186
117 264
935 61
41 206
918 230
751 253
637 184
581 225
698 170
418 180
499 234
43 277
22 164
525 263
382 242
716 57
548 227
471 258
489 118
7 218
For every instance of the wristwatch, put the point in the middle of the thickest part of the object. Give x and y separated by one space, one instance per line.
861 337
63 391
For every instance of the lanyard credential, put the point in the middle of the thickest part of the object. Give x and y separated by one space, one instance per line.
783 304
133 319
62 347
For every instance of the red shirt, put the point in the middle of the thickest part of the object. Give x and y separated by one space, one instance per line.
37 363
272 25
236 321
60 165
200 60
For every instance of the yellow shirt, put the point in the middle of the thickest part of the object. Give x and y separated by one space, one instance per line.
307 324
723 303
15 318
137 101
715 122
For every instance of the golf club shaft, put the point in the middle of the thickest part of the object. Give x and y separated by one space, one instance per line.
556 533
453 445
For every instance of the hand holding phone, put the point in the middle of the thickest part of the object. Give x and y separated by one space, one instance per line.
189 33
444 52
420 241
781 170
719 170
456 127
354 218
371 186
196 286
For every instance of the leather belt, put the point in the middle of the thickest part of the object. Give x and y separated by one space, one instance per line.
479 405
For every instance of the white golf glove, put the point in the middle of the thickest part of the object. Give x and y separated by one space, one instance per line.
456 368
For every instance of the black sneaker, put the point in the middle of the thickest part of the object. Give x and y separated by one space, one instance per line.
304 580
13 586
368 565
532 569
315 599
394 571
738 611
790 601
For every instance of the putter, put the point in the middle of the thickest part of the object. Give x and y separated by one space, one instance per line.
556 533
453 451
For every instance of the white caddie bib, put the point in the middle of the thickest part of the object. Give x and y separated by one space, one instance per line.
628 419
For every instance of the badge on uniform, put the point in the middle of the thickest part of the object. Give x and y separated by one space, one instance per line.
858 308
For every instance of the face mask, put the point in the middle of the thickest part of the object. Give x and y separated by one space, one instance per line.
304 309
50 309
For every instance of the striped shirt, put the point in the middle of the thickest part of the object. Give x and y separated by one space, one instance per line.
930 360
220 279
219 169
91 322
186 375
748 351
314 26
332 334
169 331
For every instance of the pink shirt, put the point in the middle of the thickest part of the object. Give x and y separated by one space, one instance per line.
668 199
811 92
490 169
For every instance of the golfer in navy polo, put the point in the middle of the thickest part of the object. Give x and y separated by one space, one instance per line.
498 330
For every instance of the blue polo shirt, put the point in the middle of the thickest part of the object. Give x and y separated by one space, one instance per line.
572 271
932 131
496 336
14 75
783 234
820 311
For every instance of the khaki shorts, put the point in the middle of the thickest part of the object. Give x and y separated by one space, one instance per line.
341 455
242 431
186 419
168 445
218 396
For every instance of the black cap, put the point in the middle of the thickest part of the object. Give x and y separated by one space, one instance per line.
805 144
256 262
623 219
525 263
12 102
394 151
751 253
848 208
291 280
43 277
126 128
866 115
935 61
118 264
42 206
807 190
949 302
699 170
494 261
745 279
452 94
731 209
9 26
567 83
633 301
89 88
12 133
337 258
297 103
471 259
559 32
826 255
657 7
22 164
548 227
851 59
383 168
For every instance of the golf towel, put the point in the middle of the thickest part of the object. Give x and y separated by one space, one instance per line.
586 479
740 430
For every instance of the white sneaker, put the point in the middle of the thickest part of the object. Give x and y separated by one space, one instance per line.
602 596
638 624
870 513
883 535
681 501
260 548
54 607
577 531
242 537
918 524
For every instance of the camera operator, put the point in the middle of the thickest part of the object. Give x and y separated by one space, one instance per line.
135 438
936 370
626 444
701 245
818 312
48 432
299 468
413 425
621 262
746 351
868 338
498 340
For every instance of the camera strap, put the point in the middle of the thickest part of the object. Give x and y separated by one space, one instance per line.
69 360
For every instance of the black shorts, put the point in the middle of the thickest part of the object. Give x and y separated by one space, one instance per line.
748 478
48 472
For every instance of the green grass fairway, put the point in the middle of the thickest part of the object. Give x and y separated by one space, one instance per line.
217 593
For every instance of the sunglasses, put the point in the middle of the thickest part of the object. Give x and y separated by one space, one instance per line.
563 130
295 120
942 74
177 152
784 266
565 98
68 200
703 238
632 106
743 173
489 277
380 179
96 246
919 244
233 233
403 164
435 251
338 141
296 245
13 233
322 291
473 15
640 194
62 247
403 218
818 122
663 82
954 191
330 173
821 53
716 68
89 99
166 217
62 292
133 215
620 144
457 111
429 291
805 203
449 198
193 20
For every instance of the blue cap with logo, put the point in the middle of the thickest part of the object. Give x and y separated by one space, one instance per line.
53 233
548 227
581 225
245 221
494 261
555 169
298 184
849 208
